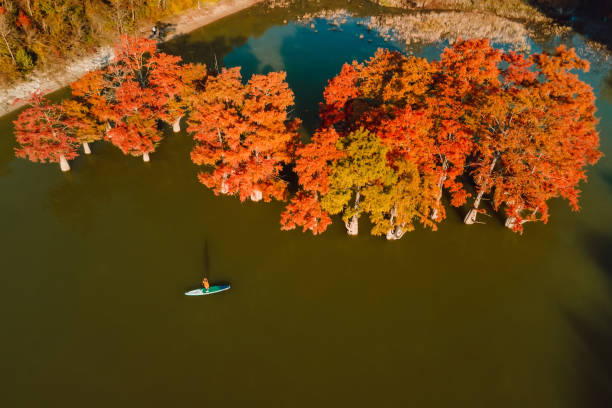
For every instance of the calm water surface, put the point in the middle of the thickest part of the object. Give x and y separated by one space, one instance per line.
95 263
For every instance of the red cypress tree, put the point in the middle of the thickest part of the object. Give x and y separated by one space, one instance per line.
129 96
558 138
312 166
43 135
388 96
243 133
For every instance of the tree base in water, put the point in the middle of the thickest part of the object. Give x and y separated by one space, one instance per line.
395 233
470 217
64 164
256 195
176 126
352 226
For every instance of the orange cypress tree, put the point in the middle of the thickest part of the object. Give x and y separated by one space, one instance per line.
312 165
43 134
534 126
558 141
387 95
129 96
81 123
243 134
166 81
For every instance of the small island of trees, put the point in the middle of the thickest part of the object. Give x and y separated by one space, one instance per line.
396 132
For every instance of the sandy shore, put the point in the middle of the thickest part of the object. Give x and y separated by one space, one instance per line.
52 80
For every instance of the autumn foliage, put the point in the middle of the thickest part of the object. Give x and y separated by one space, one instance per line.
46 33
43 133
535 127
243 134
523 129
130 95
400 138
393 101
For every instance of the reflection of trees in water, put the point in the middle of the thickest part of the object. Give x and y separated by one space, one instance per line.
88 187
606 87
209 52
7 144
598 245
594 333
593 328
221 37
107 184
586 17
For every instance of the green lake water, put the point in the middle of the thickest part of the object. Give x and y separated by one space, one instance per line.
95 263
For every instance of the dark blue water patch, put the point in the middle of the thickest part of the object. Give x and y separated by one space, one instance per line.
309 56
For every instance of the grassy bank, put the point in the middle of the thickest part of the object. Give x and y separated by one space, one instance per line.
36 34
60 73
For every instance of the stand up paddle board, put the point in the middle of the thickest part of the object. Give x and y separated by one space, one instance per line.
210 291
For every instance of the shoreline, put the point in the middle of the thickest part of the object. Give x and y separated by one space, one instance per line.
51 80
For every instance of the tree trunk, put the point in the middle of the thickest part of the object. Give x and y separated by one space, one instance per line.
470 217
391 231
510 222
176 126
224 185
435 212
107 128
86 148
352 225
64 163
396 231
145 157
256 195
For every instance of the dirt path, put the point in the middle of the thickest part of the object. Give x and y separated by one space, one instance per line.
52 79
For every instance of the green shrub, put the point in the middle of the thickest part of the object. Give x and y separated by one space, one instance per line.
24 60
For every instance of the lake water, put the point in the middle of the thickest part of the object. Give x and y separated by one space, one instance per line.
95 263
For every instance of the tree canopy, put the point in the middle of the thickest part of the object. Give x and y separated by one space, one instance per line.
396 132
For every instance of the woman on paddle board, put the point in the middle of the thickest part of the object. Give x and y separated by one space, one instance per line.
205 284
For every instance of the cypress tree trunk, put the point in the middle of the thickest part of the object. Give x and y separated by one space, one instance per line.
435 212
352 224
391 231
396 231
470 217
256 195
64 163
510 222
108 127
224 186
176 126
86 148
145 157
